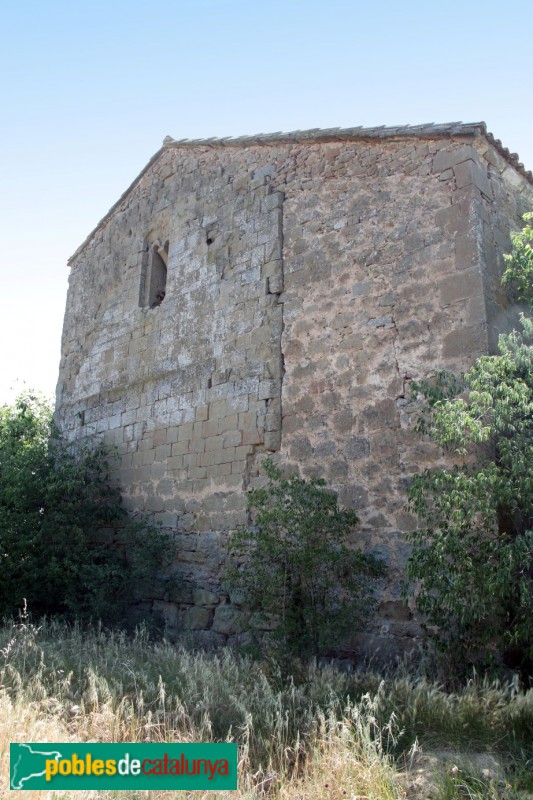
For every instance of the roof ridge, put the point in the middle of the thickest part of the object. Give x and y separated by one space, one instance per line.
379 131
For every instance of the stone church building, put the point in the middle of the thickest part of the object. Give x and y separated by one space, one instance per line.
277 294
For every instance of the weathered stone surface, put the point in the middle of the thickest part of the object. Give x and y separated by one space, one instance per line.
197 618
452 155
230 620
470 172
357 447
203 597
455 287
308 281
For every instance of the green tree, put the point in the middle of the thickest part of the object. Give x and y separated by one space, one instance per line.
519 271
67 545
472 558
294 567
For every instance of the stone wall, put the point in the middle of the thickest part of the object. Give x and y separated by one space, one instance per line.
309 281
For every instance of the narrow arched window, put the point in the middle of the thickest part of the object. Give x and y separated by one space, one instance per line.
154 276
158 275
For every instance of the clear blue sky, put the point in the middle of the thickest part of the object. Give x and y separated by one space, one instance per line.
90 89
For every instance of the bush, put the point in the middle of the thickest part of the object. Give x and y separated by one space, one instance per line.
294 568
66 543
473 557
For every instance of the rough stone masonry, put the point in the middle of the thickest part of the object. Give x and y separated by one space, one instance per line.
276 295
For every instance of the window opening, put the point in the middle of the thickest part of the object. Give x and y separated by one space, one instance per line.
154 277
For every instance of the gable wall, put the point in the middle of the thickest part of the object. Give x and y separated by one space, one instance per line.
337 273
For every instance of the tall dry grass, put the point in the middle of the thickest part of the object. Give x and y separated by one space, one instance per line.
61 683
324 735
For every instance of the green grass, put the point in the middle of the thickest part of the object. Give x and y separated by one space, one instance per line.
461 784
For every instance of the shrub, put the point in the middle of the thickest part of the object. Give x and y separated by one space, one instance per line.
295 569
472 559
66 543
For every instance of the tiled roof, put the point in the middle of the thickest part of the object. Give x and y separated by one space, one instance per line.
341 134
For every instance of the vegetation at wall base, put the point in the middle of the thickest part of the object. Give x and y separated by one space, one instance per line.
67 544
294 568
472 558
